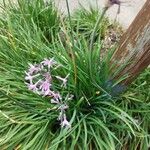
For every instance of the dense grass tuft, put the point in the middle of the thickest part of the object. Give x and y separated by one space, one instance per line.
32 16
84 21
98 120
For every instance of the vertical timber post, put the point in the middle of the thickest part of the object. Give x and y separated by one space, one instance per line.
134 47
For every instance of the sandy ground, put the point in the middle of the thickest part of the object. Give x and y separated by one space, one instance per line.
129 8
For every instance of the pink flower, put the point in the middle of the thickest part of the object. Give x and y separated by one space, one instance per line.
33 87
56 96
47 76
65 123
30 77
64 80
34 68
49 62
45 87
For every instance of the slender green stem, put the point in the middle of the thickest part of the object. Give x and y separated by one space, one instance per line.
95 28
92 43
70 22
72 53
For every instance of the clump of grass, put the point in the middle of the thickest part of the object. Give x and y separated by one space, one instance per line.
33 16
84 21
137 99
98 120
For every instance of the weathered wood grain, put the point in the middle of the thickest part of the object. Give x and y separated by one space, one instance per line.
134 47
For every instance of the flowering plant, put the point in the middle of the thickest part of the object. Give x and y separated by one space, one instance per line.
65 101
41 80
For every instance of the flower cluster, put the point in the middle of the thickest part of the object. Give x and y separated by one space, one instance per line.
40 79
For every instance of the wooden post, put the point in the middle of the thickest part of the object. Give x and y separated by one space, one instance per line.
134 47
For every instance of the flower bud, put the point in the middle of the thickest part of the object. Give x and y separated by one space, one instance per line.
109 3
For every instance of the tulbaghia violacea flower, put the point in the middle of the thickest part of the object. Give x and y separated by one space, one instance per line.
64 80
47 76
30 77
56 95
49 62
33 87
45 87
39 80
65 123
34 68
